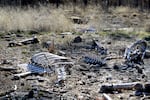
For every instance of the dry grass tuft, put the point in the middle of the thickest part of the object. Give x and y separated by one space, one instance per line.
51 19
122 9
41 19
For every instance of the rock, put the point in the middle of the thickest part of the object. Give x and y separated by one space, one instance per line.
147 38
31 94
80 97
76 19
109 78
91 75
81 83
77 39
109 42
19 35
147 87
46 44
116 67
33 32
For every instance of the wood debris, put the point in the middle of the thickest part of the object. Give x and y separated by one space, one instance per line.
24 42
117 87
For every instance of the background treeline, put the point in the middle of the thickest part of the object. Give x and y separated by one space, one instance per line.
143 4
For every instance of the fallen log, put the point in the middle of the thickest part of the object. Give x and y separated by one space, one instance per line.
24 42
123 86
7 69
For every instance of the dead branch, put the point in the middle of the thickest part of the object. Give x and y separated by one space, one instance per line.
24 42
7 69
122 86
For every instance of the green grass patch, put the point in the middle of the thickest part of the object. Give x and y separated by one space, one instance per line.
125 34
2 34
115 34
140 35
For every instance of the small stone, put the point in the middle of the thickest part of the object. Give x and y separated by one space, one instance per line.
81 83
77 39
31 93
22 84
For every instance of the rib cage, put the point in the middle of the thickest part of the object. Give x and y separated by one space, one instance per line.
45 59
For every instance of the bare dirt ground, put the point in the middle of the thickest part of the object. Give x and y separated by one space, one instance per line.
85 80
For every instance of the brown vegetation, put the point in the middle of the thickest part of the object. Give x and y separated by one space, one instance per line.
50 19
143 4
42 19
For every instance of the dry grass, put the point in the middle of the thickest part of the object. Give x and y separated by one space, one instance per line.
46 18
41 19
122 9
50 19
94 16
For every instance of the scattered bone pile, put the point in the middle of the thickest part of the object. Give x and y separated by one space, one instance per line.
85 68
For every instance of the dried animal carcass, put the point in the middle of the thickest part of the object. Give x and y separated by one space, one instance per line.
46 59
136 52
51 63
46 62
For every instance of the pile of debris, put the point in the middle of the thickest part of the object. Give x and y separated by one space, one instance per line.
92 61
134 56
